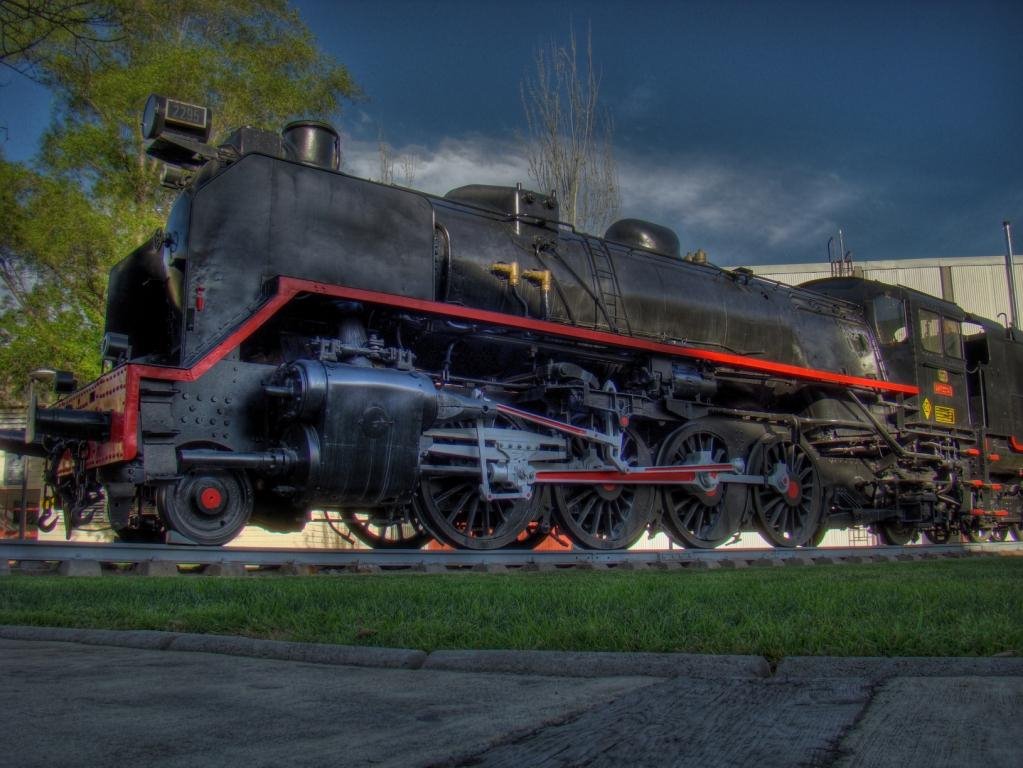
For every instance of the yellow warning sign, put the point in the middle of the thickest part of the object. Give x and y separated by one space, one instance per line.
945 415
927 408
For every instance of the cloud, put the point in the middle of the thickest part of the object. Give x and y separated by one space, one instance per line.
739 213
453 162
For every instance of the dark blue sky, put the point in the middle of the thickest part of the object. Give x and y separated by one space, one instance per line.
754 129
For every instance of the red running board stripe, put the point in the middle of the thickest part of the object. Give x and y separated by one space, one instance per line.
289 287
645 476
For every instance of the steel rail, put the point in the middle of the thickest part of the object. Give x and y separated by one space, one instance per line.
405 559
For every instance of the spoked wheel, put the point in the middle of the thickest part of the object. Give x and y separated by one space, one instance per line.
978 535
789 509
818 536
938 536
530 538
390 528
1015 532
453 510
1000 533
455 513
702 516
208 506
896 534
541 529
537 532
608 515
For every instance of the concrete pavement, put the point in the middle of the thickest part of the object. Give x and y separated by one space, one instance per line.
81 698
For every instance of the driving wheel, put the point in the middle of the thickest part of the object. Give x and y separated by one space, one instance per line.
453 509
789 508
705 515
390 528
606 515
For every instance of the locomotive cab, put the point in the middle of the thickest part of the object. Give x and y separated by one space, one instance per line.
994 364
937 347
919 338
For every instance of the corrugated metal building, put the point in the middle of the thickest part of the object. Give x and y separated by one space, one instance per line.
978 284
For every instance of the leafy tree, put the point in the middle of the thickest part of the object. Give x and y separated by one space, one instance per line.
92 195
569 141
54 249
26 24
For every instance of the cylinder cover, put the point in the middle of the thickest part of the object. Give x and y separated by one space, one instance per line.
357 429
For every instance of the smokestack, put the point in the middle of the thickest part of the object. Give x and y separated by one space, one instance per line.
1010 275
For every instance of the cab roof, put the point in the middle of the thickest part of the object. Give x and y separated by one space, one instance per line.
860 291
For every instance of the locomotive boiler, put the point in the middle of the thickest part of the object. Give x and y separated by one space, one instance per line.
470 369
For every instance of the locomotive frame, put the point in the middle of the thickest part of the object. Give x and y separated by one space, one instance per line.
471 370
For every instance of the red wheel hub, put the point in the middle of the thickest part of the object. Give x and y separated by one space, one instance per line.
793 490
211 499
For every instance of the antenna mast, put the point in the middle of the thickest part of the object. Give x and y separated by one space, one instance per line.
1010 276
841 265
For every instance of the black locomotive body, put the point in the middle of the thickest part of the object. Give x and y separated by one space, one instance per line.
469 369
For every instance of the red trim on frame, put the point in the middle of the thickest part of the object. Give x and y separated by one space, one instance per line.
675 475
1015 444
126 428
290 286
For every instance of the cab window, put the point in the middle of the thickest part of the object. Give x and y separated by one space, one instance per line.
951 337
930 331
890 320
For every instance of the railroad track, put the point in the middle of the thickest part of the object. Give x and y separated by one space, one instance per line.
156 559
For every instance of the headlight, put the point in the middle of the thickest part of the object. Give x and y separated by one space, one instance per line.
163 115
177 132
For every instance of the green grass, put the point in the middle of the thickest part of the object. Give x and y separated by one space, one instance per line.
967 607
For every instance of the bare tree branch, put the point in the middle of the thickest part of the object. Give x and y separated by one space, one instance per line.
569 144
26 24
386 162
408 168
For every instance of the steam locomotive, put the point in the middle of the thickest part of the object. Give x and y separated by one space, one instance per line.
470 369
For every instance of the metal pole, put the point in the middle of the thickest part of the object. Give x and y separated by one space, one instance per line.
841 253
23 522
1010 276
